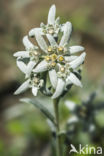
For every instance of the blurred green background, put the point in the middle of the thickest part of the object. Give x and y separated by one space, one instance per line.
23 130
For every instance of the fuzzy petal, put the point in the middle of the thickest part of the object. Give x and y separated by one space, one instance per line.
72 77
76 49
40 40
63 27
78 61
22 88
57 21
34 91
51 40
22 66
41 67
30 66
32 31
23 54
51 15
53 77
68 82
66 34
59 89
70 58
28 45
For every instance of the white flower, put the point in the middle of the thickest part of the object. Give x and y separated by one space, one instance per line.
26 69
52 27
65 77
31 52
52 55
55 55
35 84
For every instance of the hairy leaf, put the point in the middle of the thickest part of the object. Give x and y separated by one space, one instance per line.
41 107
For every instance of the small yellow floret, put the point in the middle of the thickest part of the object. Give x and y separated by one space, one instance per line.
36 80
49 49
50 31
61 58
35 53
54 57
60 49
62 69
47 58
53 64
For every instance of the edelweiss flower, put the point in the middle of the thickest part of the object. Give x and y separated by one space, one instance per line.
54 55
52 27
33 55
32 51
26 68
35 83
58 60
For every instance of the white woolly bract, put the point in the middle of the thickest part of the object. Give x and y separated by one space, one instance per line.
76 49
22 88
51 15
53 78
40 40
41 67
59 89
27 43
78 61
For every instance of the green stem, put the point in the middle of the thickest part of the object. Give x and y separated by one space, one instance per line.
58 139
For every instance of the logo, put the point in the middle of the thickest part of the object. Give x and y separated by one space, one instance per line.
86 149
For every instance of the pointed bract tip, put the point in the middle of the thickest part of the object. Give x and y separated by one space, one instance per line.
25 38
53 6
83 55
32 32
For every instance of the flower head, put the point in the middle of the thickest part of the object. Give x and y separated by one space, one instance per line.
53 25
53 57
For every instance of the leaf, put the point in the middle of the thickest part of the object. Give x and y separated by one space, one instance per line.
52 126
41 107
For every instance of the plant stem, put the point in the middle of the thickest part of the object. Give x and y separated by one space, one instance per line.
58 139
